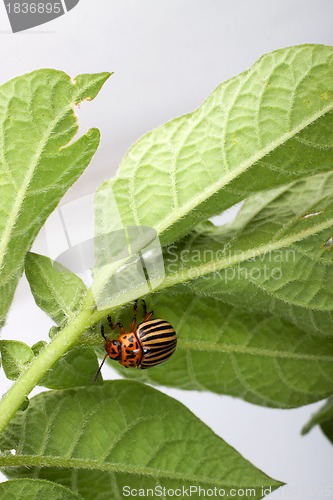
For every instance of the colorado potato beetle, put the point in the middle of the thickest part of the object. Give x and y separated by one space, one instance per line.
148 344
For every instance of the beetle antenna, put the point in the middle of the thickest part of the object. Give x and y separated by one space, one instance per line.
99 369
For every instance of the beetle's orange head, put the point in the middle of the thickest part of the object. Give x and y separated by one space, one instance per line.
113 348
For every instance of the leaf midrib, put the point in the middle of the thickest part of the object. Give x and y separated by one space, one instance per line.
21 194
212 189
79 464
221 347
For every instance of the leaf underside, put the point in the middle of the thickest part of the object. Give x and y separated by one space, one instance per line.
115 435
38 160
267 131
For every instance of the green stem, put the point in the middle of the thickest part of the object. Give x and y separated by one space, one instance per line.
22 387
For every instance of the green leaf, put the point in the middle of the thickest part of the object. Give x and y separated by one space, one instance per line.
322 417
38 160
228 350
16 356
77 368
122 434
274 256
56 290
264 128
35 489
267 228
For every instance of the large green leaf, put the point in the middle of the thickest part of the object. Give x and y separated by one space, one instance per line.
35 489
228 350
275 256
38 160
264 128
122 434
76 368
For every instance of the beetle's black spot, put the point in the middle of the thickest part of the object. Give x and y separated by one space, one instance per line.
131 338
130 354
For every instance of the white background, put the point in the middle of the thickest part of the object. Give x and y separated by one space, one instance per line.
167 57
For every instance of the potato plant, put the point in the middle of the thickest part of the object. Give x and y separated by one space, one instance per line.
251 300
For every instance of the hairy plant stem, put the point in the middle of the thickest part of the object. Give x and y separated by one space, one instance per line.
59 345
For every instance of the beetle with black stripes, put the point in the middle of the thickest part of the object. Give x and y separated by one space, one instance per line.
150 343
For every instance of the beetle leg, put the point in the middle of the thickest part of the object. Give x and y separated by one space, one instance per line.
146 315
103 334
114 326
135 312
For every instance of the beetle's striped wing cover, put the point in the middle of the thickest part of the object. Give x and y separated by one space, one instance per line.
158 340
